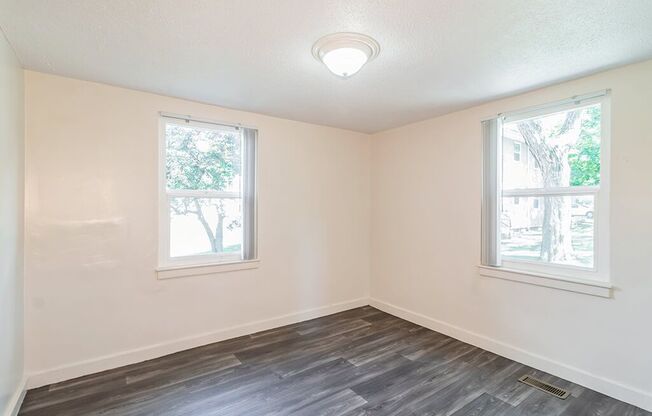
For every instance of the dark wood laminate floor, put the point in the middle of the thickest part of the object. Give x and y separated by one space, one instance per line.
358 362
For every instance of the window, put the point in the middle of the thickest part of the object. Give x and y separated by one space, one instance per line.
517 152
208 203
564 175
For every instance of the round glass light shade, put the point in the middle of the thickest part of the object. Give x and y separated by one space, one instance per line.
345 61
344 54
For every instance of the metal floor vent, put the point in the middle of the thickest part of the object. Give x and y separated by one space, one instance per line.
543 386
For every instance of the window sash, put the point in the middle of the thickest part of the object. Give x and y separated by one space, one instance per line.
248 194
545 266
492 182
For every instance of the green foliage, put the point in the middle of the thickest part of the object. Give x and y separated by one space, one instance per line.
585 160
201 159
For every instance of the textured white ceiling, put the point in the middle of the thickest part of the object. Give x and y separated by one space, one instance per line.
436 56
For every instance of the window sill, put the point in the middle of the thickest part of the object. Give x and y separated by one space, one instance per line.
594 288
171 272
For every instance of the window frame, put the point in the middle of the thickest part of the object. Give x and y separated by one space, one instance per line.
168 266
599 273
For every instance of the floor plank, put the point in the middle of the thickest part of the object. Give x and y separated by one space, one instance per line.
354 363
485 405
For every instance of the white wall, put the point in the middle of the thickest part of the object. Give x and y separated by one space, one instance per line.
12 158
93 300
426 188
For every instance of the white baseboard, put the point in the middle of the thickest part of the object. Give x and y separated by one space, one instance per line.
107 362
603 385
17 399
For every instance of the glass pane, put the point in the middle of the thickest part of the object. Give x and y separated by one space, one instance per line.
555 229
554 150
200 158
201 226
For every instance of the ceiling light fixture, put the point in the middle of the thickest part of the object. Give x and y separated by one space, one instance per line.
345 53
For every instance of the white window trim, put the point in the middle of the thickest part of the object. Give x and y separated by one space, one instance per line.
172 272
589 287
593 281
200 264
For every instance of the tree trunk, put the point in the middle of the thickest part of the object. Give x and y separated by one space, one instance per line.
556 241
218 242
207 228
556 245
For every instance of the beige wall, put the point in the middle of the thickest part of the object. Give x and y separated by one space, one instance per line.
12 158
94 301
426 189
93 297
